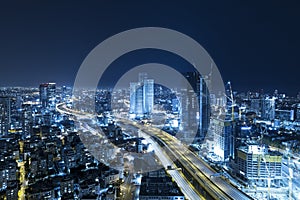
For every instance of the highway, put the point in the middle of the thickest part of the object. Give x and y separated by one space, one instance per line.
185 186
201 172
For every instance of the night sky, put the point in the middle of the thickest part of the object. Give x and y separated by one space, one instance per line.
255 44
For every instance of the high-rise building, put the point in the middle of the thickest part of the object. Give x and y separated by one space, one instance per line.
223 138
298 112
268 108
189 114
198 83
48 95
255 105
264 107
256 162
148 95
139 100
132 97
204 99
63 92
142 77
176 106
5 115
141 97
27 119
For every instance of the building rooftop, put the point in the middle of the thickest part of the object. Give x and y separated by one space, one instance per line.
159 186
257 149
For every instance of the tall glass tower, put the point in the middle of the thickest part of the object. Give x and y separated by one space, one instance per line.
139 102
141 96
133 87
148 95
5 114
48 95
202 96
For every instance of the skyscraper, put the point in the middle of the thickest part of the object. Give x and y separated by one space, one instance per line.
48 95
141 96
142 77
132 97
268 108
5 114
139 100
264 107
148 95
223 135
204 108
199 86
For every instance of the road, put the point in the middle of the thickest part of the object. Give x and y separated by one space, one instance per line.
179 178
201 171
182 183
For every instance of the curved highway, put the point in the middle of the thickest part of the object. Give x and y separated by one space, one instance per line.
200 170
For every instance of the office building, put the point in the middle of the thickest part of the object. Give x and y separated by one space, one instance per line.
5 115
297 114
223 138
132 97
148 95
268 108
200 89
256 162
264 107
48 95
255 105
141 97
189 109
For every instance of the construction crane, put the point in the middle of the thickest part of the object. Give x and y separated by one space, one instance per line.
290 174
233 102
230 98
262 133
269 176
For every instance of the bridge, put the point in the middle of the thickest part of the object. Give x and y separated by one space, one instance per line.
195 170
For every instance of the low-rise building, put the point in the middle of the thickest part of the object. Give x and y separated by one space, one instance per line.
159 187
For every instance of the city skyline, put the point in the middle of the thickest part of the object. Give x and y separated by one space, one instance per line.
150 100
250 152
253 50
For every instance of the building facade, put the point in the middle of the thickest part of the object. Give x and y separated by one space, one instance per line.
200 94
5 115
141 97
158 185
48 95
256 162
268 108
223 138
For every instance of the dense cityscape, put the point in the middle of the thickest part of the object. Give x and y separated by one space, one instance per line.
147 141
150 100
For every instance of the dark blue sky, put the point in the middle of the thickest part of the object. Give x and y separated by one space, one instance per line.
255 44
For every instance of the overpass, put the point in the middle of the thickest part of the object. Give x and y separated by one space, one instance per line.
197 171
